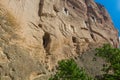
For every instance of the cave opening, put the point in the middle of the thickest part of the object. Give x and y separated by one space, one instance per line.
73 7
46 40
93 37
74 39
65 9
93 18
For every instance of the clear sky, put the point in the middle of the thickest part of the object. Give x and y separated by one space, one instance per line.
113 8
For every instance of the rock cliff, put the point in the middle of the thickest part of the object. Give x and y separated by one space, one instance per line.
35 34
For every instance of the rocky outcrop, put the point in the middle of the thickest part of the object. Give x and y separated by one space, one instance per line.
35 34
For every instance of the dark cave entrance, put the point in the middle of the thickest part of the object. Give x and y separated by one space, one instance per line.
46 41
74 40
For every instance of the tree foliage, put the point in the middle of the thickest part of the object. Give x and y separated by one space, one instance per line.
68 70
112 56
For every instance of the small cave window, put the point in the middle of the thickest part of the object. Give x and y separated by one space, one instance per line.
74 39
73 7
40 25
93 37
46 40
105 18
93 18
65 11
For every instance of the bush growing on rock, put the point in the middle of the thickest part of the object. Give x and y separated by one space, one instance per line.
68 70
112 56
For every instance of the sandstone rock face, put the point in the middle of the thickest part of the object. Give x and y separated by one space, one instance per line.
35 34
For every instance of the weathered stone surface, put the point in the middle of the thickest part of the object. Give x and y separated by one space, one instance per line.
35 34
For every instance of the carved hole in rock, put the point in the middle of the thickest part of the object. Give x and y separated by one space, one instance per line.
93 18
105 17
92 37
66 10
75 58
46 41
13 69
40 25
73 7
74 40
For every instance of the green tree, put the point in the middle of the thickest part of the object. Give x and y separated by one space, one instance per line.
68 70
112 56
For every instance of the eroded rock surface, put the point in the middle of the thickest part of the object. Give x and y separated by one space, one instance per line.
35 34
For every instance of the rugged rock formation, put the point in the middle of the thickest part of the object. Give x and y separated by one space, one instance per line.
35 34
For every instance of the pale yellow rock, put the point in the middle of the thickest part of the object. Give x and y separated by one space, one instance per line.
39 33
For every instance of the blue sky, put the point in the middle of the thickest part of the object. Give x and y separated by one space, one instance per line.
113 8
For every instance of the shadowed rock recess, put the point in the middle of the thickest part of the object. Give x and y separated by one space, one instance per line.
36 34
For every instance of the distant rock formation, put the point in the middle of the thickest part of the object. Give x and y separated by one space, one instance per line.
36 34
